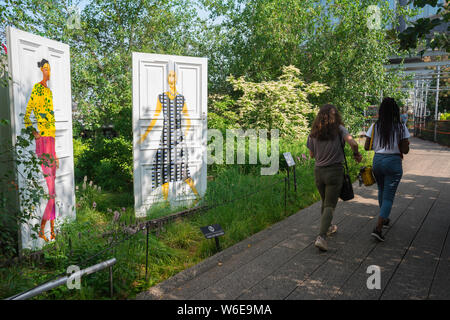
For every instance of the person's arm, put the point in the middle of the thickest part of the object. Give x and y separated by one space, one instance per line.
309 145
368 138
152 124
404 143
354 145
404 146
367 144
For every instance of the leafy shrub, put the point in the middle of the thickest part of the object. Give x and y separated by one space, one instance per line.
445 116
222 112
78 149
282 104
29 195
108 161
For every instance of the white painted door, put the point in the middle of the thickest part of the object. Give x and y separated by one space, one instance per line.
150 80
24 52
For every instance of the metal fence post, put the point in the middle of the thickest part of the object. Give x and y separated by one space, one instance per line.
436 107
285 195
146 253
295 178
111 281
288 180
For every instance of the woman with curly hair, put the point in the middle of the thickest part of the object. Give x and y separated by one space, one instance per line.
325 144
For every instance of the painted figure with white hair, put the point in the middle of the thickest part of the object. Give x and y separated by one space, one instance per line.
171 160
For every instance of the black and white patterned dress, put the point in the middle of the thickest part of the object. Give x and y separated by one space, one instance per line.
171 160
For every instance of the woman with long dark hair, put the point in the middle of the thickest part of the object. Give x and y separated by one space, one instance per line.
390 142
325 143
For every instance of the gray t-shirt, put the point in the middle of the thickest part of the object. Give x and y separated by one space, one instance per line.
327 152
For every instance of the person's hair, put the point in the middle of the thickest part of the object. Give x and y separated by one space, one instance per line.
388 124
327 122
41 63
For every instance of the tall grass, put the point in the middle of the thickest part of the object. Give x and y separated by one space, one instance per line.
246 203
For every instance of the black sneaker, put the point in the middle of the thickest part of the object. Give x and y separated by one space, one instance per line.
377 234
386 223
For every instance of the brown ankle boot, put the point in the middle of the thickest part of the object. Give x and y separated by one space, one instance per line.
52 229
41 232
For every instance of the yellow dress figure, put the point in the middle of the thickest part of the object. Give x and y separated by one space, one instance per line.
41 104
171 162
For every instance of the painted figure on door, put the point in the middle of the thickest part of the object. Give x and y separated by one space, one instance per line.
41 103
171 160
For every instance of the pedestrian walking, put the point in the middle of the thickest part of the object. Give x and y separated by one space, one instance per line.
325 143
390 142
404 116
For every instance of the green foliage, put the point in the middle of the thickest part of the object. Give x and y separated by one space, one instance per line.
101 50
249 203
281 104
19 164
247 47
348 57
420 29
78 149
327 43
107 161
330 43
222 112
445 116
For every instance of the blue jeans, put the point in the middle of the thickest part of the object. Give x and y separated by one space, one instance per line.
387 169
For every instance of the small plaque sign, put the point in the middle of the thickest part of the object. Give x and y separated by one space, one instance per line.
212 231
289 160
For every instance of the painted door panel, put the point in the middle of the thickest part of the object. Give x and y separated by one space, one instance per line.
150 79
24 51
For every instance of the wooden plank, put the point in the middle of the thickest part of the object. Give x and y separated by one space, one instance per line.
328 278
326 281
280 284
282 262
388 255
239 283
413 278
440 288
208 272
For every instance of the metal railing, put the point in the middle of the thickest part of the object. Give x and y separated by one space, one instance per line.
432 130
63 280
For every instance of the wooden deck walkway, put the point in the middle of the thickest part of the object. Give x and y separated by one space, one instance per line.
281 262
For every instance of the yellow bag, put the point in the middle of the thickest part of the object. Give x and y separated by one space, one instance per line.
365 173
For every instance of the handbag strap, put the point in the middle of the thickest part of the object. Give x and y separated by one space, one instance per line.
343 151
371 138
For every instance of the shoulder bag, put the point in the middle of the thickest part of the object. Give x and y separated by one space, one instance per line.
347 188
366 173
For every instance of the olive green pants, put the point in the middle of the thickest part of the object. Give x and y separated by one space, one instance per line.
329 183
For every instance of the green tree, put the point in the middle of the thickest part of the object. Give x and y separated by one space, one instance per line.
329 42
256 38
101 53
349 57
277 104
421 30
101 48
